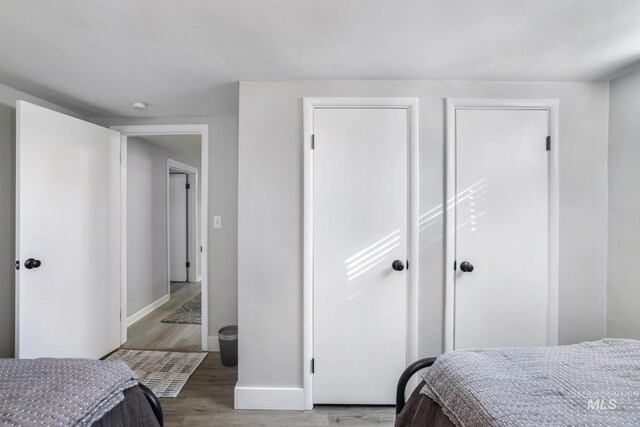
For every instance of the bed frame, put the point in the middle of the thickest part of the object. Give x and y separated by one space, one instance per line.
154 402
406 376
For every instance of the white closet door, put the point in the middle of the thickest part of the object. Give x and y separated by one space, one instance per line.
178 227
67 236
502 228
360 223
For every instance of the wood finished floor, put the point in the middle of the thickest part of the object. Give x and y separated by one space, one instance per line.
149 333
207 400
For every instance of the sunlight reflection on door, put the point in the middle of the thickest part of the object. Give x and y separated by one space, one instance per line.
371 256
468 201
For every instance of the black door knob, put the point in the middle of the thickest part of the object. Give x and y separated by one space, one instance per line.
466 266
397 265
32 263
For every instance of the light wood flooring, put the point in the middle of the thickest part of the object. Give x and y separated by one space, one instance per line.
149 333
207 400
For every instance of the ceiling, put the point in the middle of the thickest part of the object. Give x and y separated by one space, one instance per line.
186 57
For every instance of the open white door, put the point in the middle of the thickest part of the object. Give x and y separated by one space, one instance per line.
67 236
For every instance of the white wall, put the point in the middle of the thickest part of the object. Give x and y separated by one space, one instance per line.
623 294
8 98
147 280
270 212
223 201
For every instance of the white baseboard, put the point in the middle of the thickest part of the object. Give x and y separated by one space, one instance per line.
213 344
282 399
148 309
199 278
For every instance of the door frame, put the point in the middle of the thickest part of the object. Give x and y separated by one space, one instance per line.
146 130
192 226
552 107
309 105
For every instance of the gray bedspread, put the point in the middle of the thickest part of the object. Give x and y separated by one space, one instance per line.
60 392
589 384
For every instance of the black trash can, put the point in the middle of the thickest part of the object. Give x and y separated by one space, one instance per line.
228 339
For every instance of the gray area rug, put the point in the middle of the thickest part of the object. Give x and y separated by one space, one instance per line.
190 312
164 372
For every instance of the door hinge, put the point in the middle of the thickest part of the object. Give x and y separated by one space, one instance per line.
313 366
188 264
313 141
18 265
407 264
548 143
187 186
455 265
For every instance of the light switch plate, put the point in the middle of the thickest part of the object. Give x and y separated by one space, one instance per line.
217 222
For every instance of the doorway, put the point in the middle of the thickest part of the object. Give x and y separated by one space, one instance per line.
360 219
181 218
501 278
177 220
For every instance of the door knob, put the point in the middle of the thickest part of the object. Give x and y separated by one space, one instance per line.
32 263
397 265
466 266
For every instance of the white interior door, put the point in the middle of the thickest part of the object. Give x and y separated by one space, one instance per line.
360 222
178 243
68 219
502 228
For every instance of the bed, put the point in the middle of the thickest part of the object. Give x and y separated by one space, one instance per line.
140 407
589 384
74 392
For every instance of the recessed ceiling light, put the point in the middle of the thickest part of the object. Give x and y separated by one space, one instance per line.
138 105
